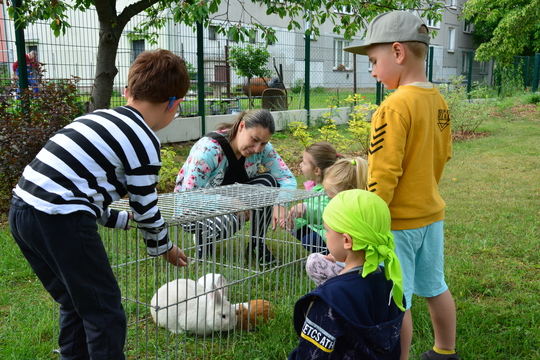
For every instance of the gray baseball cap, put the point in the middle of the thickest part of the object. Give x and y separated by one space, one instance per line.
390 27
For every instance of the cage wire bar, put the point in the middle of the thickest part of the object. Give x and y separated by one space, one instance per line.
140 275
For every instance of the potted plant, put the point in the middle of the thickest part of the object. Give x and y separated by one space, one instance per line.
250 61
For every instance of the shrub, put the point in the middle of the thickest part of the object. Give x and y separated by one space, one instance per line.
467 111
300 132
359 127
168 172
358 130
509 79
532 98
27 122
318 90
297 87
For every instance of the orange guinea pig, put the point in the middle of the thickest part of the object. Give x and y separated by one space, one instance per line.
253 313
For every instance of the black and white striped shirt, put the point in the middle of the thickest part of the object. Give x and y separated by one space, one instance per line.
97 159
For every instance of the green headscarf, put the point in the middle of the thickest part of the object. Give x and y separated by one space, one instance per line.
366 218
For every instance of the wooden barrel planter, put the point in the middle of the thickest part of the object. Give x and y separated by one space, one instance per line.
258 85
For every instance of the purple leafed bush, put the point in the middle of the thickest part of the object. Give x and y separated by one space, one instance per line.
27 120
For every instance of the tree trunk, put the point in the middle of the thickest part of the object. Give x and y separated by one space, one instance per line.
250 100
106 70
111 26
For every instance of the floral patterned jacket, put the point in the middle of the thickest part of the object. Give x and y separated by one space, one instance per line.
206 165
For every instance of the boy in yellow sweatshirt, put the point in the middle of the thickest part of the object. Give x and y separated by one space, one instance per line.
411 142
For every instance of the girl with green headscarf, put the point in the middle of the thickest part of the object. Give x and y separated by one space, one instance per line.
358 313
363 219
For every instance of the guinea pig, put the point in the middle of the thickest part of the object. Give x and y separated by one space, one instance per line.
253 313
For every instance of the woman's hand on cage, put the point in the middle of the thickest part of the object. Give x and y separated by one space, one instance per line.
175 256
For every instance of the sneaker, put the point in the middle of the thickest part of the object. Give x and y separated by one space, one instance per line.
432 355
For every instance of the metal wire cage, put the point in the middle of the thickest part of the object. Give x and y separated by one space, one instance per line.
186 320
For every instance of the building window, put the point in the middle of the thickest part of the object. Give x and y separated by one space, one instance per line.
231 38
451 39
212 32
465 62
341 58
468 27
484 67
343 9
137 47
32 47
434 24
453 4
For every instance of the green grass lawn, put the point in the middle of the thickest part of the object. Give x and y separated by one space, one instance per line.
492 228
319 99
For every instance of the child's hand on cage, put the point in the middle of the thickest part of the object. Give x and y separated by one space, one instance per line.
297 211
175 256
243 216
278 216
130 217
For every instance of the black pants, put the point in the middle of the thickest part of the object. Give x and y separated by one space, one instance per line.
68 256
224 226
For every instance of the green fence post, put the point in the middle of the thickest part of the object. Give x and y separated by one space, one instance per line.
536 71
307 69
379 93
200 76
469 74
430 64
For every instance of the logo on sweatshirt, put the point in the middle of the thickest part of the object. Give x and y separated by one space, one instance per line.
318 336
443 119
377 138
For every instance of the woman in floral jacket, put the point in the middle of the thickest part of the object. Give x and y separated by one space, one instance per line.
235 153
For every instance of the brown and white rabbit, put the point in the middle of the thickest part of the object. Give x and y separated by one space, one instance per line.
253 313
184 305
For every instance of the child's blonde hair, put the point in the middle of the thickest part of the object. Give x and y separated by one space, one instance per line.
324 156
346 174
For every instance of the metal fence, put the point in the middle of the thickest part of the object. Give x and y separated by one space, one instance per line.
333 73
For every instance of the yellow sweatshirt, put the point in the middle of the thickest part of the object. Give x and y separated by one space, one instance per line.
411 142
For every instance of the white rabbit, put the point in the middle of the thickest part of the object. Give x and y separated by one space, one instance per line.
184 305
213 281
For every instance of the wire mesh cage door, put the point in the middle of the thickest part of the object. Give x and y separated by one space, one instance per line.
227 289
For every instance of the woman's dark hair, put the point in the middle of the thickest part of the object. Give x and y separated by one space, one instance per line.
253 118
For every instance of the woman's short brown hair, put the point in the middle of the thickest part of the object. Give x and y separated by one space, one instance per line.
157 75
